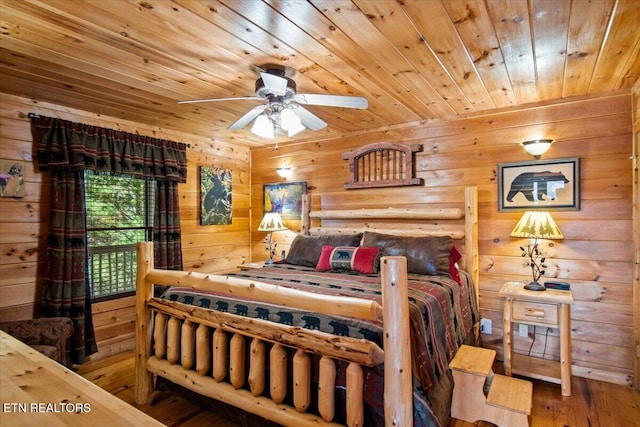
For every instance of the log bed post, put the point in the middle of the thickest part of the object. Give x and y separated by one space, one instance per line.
144 326
398 387
471 262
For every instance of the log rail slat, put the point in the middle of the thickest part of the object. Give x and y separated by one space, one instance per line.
203 350
257 367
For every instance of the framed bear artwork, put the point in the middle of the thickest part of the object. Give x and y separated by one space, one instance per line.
539 185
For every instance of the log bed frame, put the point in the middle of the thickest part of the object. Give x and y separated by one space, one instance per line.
174 340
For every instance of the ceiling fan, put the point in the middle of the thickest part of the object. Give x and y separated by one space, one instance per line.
284 105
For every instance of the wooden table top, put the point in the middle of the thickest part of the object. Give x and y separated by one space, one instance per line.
552 296
37 390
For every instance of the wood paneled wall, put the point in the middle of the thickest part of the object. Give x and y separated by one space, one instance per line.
23 222
596 254
595 257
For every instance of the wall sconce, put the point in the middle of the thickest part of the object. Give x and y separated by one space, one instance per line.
536 225
284 172
537 147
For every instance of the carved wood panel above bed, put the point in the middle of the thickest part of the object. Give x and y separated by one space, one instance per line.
382 164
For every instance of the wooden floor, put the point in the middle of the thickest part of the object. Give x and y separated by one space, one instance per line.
593 403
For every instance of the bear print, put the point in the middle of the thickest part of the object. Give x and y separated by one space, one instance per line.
263 313
536 186
241 309
285 318
370 335
339 328
311 322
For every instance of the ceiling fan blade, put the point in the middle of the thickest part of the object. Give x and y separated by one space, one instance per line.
309 119
248 117
236 98
275 84
332 100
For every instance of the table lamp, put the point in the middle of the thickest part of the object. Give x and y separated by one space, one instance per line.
536 225
271 222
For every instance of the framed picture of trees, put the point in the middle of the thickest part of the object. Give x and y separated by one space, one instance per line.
285 198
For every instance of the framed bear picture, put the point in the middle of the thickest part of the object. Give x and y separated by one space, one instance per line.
541 184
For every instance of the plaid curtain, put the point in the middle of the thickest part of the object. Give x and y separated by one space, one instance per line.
64 145
167 243
66 149
66 286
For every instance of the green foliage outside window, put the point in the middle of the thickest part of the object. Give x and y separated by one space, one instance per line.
118 216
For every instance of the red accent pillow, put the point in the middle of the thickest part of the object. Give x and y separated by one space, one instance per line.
364 259
454 257
323 261
348 258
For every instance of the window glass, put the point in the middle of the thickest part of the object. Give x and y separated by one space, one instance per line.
119 215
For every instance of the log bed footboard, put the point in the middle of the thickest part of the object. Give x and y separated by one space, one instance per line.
205 350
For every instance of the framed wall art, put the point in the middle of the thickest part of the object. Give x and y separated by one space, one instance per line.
285 198
215 196
11 178
541 184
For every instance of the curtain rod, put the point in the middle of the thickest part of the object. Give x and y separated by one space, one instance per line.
37 116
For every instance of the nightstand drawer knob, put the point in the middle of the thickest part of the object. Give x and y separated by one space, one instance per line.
534 312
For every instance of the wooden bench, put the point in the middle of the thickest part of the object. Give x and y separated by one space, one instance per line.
481 395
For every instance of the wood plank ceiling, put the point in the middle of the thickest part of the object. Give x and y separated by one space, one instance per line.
414 60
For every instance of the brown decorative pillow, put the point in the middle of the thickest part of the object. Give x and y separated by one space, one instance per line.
305 250
425 255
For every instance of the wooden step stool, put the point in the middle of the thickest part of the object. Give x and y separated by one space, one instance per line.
508 402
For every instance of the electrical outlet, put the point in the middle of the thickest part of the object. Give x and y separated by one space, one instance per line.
523 330
485 326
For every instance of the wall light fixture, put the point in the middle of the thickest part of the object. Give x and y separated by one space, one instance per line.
284 172
537 147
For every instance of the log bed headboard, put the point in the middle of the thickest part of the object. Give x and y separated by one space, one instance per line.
461 223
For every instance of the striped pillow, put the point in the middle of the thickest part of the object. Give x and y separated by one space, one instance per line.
348 258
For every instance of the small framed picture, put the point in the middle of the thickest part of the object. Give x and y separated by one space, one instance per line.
11 178
541 184
285 198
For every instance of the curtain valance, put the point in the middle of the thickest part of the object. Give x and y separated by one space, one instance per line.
65 145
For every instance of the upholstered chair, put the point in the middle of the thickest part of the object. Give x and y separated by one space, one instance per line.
49 336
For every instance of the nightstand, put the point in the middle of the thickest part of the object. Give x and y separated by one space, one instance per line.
549 309
251 265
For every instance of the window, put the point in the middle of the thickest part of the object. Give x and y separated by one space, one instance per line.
119 215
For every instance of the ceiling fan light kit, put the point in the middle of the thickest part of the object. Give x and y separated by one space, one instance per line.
263 127
283 110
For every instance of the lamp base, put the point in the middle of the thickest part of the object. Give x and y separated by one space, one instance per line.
535 286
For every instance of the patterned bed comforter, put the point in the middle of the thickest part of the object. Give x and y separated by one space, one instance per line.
442 313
